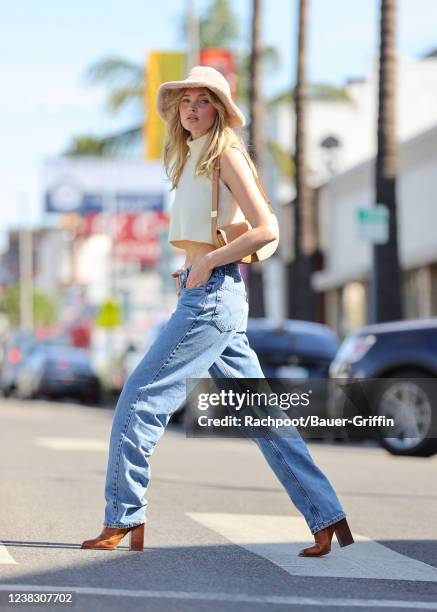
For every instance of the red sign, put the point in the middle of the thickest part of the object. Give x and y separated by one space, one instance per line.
134 237
223 61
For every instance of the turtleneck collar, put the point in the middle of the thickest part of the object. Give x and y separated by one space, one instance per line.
197 144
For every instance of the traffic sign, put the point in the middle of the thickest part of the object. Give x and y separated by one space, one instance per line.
373 224
109 315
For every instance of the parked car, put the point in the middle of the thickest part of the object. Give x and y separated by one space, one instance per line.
58 371
398 363
297 351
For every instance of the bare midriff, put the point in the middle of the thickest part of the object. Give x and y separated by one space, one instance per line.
193 250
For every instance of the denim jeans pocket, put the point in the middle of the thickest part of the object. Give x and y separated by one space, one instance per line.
234 283
212 284
231 308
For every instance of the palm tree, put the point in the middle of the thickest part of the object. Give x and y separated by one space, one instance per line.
256 107
218 27
316 91
386 302
256 142
124 82
301 298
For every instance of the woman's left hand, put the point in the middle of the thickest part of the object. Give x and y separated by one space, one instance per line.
199 273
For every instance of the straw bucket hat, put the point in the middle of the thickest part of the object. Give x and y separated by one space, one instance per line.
201 76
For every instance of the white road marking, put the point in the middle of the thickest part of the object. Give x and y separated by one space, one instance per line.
285 600
279 539
5 555
72 444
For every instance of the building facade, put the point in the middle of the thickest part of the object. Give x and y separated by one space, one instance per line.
344 281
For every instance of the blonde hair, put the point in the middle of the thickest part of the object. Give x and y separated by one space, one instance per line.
222 136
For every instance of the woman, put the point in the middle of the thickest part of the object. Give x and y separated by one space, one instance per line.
207 331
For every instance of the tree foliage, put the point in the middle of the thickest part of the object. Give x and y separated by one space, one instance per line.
218 26
123 81
45 308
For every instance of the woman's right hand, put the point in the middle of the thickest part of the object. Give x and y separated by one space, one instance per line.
176 277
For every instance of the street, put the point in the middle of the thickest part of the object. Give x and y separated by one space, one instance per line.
221 533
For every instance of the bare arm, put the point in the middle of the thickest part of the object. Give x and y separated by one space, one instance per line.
237 175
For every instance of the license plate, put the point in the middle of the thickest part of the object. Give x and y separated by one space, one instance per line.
292 372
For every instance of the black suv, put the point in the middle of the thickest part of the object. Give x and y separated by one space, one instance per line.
402 355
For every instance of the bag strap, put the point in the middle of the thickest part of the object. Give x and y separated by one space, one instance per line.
257 181
215 193
214 201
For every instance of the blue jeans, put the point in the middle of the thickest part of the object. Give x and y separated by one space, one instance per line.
207 331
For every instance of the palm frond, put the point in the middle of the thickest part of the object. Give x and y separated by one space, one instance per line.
218 25
113 70
124 95
85 144
104 146
325 91
123 138
282 159
316 91
271 58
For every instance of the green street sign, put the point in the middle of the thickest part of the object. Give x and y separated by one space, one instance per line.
373 224
109 315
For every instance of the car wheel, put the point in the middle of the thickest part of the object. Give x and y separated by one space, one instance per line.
91 400
408 398
13 391
6 392
18 392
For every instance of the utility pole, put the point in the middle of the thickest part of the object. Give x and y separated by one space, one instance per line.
25 246
256 106
192 26
256 141
111 211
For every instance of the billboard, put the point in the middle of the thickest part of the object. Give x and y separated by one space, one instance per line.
160 66
86 185
222 60
135 237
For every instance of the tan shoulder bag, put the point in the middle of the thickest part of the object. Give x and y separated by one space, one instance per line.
227 233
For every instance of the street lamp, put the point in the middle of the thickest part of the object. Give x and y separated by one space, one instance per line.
331 145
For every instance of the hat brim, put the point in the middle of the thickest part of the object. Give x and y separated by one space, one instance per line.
236 117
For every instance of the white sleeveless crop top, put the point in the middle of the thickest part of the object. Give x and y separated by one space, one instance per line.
190 214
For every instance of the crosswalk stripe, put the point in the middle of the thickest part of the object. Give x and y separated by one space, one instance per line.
5 555
71 444
286 600
279 539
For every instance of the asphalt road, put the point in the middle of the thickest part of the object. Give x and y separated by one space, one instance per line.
221 533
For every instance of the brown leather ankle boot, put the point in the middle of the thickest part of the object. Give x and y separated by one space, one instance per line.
322 545
111 537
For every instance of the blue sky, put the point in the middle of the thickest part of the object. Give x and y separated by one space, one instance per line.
45 47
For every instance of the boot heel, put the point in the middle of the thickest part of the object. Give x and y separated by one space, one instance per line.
343 533
136 539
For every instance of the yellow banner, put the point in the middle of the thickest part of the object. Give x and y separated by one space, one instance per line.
161 66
